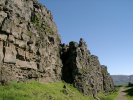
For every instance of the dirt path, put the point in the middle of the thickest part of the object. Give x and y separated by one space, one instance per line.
122 94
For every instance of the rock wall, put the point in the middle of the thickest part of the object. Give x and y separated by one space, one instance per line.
29 43
84 70
108 84
30 49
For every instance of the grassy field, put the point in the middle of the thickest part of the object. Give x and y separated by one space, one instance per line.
38 91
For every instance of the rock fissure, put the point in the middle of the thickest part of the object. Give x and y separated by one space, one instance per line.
84 70
31 49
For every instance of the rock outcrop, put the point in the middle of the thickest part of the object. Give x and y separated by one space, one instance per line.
108 84
84 70
29 43
31 49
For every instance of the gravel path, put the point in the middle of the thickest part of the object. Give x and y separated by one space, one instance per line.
122 94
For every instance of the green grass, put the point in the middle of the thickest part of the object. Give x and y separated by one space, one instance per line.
129 91
47 91
129 97
111 96
38 91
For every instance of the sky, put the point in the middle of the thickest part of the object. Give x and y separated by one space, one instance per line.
105 25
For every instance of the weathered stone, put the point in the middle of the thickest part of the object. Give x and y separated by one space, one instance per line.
11 39
10 54
29 37
30 50
20 43
16 31
108 84
20 54
29 56
1 52
26 65
2 2
25 37
6 27
3 37
3 15
84 70
7 73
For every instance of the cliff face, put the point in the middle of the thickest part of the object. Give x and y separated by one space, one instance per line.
108 84
30 50
84 70
29 43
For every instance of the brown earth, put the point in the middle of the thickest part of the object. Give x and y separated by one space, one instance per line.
122 94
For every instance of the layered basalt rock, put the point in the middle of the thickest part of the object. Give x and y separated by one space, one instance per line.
29 43
30 49
84 70
108 84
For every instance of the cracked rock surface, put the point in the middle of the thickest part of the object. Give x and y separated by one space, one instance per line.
84 70
31 49
29 43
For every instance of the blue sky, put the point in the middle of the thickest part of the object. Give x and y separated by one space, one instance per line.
105 25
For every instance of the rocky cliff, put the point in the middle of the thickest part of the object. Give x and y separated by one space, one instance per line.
29 43
30 49
84 70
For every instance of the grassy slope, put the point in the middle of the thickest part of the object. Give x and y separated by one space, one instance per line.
110 96
129 91
129 98
38 91
47 91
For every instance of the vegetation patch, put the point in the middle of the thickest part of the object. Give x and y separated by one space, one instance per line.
40 24
129 91
38 91
29 33
110 96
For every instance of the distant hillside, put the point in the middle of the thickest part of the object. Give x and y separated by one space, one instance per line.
122 79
